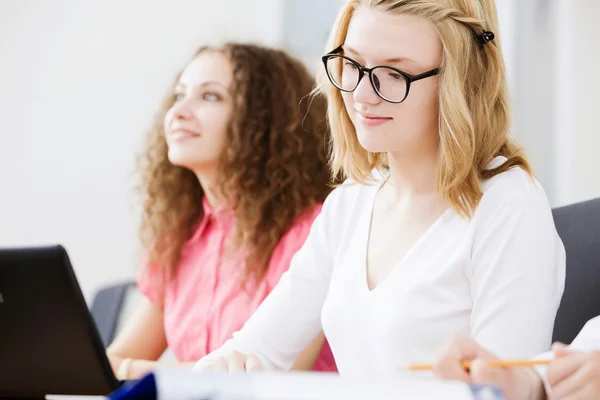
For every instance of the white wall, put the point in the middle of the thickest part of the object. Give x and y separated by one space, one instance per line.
535 85
555 89
578 141
79 83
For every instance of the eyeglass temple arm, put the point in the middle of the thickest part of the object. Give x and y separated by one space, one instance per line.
425 75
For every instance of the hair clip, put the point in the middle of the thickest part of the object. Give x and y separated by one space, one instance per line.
486 37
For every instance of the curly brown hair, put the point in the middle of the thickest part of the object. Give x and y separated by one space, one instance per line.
273 170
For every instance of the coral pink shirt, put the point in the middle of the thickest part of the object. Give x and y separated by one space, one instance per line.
204 303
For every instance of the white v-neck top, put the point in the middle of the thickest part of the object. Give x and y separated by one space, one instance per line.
498 278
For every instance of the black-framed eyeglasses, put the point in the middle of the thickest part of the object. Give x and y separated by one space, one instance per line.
391 84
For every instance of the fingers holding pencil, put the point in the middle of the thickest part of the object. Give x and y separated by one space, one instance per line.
455 361
463 359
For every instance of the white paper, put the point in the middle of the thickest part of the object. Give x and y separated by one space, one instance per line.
176 384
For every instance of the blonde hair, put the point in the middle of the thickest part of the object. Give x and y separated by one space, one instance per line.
474 116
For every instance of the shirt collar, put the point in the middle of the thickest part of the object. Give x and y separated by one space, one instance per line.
221 216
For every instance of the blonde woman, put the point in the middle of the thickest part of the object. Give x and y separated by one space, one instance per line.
440 229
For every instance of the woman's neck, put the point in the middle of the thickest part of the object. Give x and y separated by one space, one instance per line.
414 172
211 187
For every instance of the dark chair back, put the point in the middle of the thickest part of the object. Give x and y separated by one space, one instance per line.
106 309
578 225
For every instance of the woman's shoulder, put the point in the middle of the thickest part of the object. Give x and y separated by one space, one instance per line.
340 209
512 187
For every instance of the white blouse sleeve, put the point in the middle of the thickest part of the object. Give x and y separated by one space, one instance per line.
517 275
290 317
589 337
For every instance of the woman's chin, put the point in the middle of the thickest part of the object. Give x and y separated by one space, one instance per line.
373 145
189 161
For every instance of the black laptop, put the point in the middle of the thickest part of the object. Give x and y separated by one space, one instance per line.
49 343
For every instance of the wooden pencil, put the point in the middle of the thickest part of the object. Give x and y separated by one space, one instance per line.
493 363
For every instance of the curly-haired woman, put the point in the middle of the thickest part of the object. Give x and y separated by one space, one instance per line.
232 178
